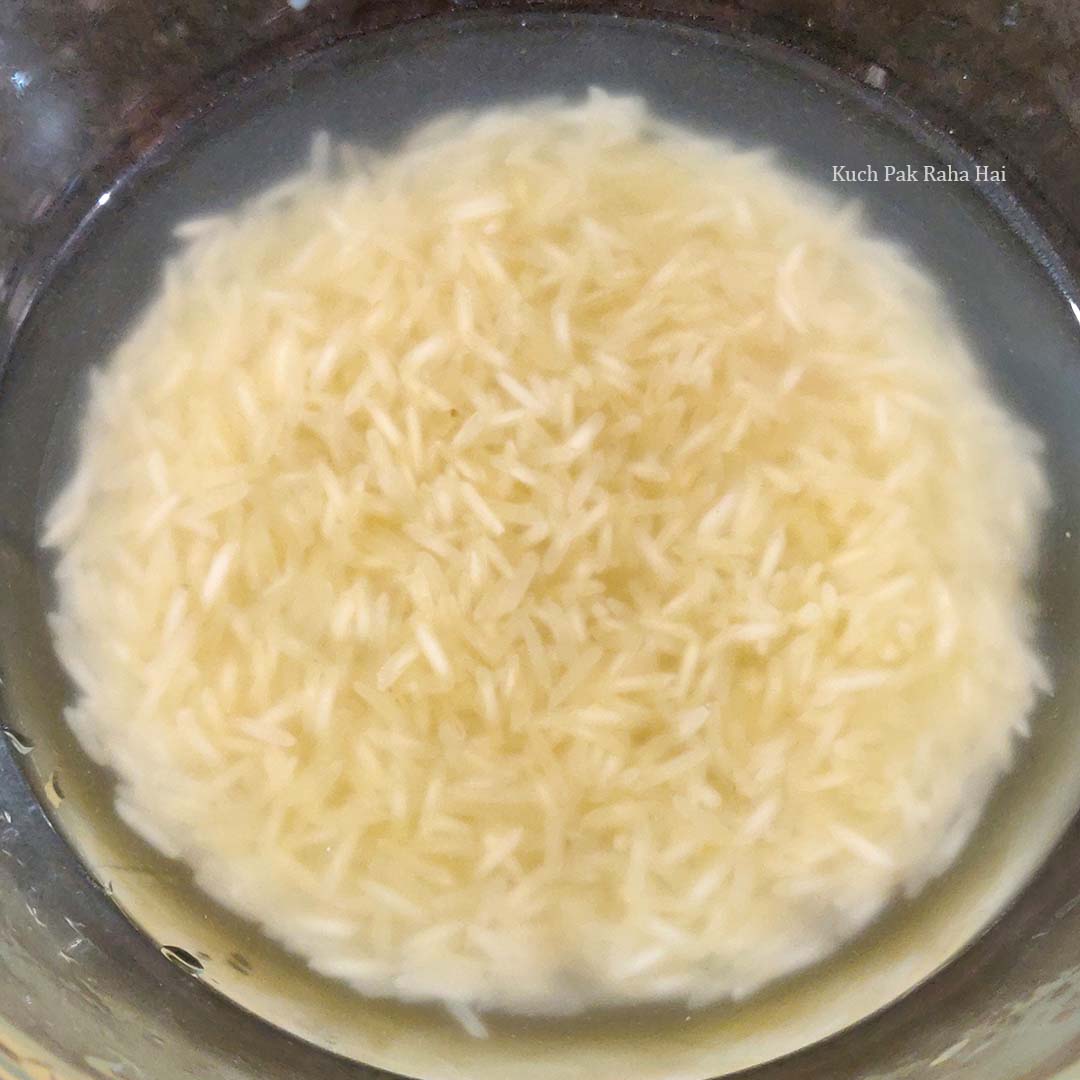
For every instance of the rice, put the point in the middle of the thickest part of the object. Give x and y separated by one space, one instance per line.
564 561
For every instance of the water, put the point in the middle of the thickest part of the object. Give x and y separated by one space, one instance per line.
373 91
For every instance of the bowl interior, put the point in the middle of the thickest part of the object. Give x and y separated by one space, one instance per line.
1000 282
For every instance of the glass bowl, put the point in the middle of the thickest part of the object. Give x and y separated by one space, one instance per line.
121 116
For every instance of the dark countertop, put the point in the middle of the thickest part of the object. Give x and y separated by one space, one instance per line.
86 85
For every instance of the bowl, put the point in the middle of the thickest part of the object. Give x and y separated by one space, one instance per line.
113 964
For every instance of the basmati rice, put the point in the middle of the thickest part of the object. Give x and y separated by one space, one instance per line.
563 561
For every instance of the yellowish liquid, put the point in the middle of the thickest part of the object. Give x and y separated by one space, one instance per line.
873 857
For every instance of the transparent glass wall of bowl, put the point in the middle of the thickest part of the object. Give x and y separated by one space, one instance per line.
91 88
